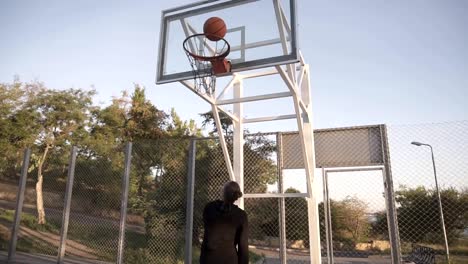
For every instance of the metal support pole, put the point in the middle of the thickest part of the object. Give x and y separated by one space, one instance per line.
442 221
392 221
190 201
327 214
281 202
19 205
67 203
238 137
124 202
307 135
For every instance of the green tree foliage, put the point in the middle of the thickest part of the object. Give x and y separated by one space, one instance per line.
178 128
16 126
349 221
54 120
419 217
379 227
166 198
352 219
226 122
51 120
128 118
162 166
296 218
61 117
144 121
264 218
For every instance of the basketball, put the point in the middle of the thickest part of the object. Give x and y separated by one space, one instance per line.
214 28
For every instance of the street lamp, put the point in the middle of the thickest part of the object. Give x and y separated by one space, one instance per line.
438 197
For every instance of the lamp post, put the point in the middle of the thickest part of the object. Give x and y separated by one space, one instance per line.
438 198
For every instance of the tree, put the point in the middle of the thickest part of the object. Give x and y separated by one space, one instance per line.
420 205
160 165
226 122
130 119
165 199
296 218
62 117
179 128
167 194
145 122
17 128
259 171
379 227
265 218
349 221
354 219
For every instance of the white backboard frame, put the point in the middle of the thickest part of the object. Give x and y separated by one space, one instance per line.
201 7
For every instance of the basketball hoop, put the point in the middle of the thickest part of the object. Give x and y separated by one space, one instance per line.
208 59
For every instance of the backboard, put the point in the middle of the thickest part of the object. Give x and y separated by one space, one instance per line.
262 33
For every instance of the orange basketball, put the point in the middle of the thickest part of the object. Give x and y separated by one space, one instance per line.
214 28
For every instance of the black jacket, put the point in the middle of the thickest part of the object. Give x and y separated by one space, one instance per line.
226 235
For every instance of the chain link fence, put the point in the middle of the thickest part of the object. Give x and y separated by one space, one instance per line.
93 228
44 238
261 176
357 208
10 169
414 181
157 200
210 175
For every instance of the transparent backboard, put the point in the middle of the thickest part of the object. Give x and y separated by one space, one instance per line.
261 33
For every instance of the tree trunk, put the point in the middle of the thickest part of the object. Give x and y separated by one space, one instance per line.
39 195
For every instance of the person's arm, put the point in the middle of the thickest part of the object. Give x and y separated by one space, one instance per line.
205 214
243 243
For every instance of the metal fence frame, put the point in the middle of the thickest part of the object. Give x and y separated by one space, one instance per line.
385 168
19 205
67 204
391 218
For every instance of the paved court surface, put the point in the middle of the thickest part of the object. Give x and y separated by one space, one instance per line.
27 258
271 257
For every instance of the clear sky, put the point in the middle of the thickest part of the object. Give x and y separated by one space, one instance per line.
396 62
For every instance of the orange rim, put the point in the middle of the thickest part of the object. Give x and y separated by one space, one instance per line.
206 58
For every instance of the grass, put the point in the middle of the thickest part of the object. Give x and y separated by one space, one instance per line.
32 246
458 251
30 221
255 257
136 252
453 259
24 244
101 238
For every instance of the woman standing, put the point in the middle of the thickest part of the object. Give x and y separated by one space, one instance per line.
226 230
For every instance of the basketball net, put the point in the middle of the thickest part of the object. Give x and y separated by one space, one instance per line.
207 59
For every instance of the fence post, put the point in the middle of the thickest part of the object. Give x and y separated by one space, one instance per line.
67 203
327 218
19 205
390 200
190 202
124 201
281 202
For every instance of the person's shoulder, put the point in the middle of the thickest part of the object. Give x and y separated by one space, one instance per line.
212 204
241 212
